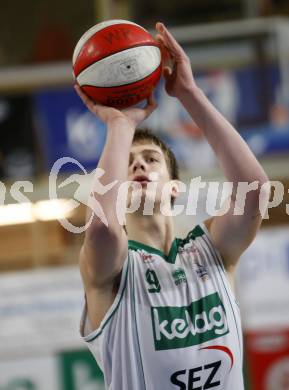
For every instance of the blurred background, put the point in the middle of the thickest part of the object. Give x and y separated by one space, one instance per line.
239 50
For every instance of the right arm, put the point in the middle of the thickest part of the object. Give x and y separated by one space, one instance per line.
105 247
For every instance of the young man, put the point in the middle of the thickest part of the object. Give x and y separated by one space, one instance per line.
160 312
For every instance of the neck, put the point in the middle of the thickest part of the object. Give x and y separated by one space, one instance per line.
154 230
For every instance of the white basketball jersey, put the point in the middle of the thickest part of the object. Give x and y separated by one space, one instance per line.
174 323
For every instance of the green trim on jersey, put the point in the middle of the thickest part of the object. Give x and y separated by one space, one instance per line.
192 235
176 244
135 321
170 258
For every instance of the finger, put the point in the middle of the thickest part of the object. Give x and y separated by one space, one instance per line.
159 38
159 26
151 100
168 40
167 72
151 104
167 58
162 44
85 99
90 104
79 91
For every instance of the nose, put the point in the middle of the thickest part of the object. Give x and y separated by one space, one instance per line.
138 164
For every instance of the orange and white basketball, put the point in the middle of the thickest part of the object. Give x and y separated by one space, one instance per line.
117 63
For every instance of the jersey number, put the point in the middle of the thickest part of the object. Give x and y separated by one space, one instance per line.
152 279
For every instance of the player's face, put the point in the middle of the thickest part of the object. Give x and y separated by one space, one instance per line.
148 166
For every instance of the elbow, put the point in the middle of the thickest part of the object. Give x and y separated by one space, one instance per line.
264 186
98 231
263 179
259 178
260 186
258 200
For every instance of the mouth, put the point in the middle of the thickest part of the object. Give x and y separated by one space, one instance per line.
141 179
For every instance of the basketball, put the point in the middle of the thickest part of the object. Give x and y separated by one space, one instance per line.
117 63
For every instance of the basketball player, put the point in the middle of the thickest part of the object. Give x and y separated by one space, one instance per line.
160 311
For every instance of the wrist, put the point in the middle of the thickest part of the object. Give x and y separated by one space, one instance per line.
120 122
189 92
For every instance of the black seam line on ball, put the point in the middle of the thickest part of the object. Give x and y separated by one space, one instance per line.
112 53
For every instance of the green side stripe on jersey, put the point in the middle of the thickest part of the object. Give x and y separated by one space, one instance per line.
176 244
135 321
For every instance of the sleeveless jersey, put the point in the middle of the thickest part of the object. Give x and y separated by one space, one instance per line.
174 324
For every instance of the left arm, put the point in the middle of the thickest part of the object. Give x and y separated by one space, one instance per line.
231 234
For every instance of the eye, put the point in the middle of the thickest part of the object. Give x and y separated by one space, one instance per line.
153 159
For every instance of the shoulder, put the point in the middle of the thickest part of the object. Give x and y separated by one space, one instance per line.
196 232
200 237
207 223
228 259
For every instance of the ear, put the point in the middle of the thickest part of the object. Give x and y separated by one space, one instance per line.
177 188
